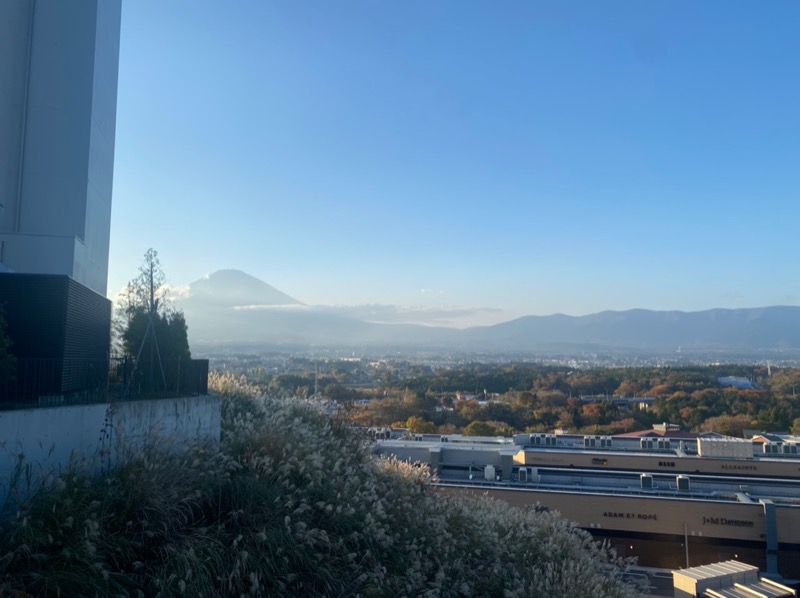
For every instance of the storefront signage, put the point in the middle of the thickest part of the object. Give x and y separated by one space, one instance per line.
640 516
726 521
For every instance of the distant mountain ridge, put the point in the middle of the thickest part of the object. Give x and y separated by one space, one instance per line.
231 306
746 328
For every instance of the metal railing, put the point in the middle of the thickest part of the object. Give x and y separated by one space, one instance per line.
48 382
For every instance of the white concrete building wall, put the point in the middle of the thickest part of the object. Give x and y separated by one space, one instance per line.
58 167
15 28
40 254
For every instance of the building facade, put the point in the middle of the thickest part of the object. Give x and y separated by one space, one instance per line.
58 96
671 500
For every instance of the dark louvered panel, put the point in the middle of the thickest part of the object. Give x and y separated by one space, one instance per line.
86 338
34 306
60 332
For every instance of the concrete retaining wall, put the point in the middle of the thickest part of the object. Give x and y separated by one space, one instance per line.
49 439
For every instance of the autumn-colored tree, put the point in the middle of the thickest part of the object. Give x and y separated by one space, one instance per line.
552 398
786 382
730 425
660 390
447 429
479 428
417 425
469 410
591 413
620 426
628 388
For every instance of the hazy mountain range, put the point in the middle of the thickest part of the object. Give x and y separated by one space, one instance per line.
231 307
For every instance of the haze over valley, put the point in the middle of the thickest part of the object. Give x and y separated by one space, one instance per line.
232 308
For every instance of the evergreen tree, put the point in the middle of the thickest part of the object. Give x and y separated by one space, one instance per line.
152 331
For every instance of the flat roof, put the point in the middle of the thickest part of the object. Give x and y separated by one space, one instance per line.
408 442
715 570
618 451
750 590
723 439
671 434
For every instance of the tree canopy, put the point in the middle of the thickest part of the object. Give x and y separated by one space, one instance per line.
151 330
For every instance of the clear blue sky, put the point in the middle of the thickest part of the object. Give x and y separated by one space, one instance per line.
533 157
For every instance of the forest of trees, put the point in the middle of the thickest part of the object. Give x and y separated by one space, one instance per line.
489 399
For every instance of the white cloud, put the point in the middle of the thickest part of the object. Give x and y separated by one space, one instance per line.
448 316
432 292
289 307
178 292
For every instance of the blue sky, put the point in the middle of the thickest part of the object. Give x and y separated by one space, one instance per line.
528 157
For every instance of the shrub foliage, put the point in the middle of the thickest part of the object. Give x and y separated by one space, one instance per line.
292 503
